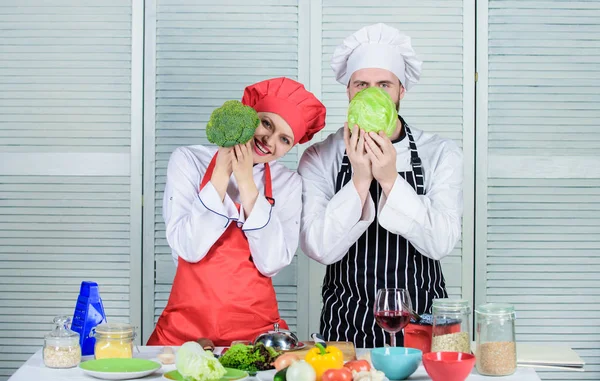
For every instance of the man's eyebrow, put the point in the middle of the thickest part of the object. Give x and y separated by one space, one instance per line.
356 81
387 82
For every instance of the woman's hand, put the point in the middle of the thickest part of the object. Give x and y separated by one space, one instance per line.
242 164
222 172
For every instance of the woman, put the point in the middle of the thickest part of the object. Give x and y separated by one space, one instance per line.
232 220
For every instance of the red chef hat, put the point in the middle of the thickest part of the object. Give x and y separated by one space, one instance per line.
290 100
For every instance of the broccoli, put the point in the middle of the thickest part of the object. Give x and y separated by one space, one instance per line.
232 124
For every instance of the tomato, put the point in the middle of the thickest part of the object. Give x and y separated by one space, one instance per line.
337 375
358 365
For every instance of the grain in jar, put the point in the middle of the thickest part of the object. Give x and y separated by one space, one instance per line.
452 342
61 346
496 352
497 358
451 328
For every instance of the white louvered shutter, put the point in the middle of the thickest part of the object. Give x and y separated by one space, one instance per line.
436 103
207 52
542 246
66 211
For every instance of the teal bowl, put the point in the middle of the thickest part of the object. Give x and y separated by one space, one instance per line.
397 363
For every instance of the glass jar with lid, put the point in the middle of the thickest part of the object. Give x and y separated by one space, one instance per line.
496 351
61 346
114 340
451 326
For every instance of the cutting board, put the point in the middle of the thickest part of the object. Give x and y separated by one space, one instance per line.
346 347
549 356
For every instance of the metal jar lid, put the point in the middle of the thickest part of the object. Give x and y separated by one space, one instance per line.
115 330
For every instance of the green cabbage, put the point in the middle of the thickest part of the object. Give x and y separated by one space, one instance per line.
196 364
372 109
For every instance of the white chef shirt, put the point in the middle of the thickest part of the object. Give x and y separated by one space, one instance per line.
333 222
196 219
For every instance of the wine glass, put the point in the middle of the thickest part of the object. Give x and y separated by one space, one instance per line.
392 310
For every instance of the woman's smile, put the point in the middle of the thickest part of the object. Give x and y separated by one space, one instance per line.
260 148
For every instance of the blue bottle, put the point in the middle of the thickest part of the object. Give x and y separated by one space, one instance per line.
89 312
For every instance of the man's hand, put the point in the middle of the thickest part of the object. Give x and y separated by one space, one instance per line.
382 154
222 171
242 164
361 164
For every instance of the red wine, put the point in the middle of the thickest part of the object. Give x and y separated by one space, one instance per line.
392 321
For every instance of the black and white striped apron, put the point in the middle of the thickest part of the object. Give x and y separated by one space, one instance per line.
379 259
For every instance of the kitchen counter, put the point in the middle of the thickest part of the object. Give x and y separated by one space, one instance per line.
34 369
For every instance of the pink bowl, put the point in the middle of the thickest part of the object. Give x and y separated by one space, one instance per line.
448 366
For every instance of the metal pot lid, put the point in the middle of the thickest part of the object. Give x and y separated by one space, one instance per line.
280 340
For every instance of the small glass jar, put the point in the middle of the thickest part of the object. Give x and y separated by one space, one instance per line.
61 346
496 351
114 340
451 326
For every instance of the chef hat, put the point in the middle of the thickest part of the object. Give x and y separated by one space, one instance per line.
289 99
377 46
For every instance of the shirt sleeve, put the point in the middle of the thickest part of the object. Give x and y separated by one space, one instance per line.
331 222
431 222
273 230
194 220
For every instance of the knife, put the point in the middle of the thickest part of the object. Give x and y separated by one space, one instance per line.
318 338
414 315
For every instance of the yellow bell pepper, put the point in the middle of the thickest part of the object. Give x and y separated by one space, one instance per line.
322 359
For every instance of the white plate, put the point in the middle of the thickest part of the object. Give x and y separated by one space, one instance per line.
267 375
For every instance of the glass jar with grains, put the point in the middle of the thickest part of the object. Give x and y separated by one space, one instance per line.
451 327
61 346
496 351
114 340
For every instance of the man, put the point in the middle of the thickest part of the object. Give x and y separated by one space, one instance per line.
379 212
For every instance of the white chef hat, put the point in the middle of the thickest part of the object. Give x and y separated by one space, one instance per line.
377 46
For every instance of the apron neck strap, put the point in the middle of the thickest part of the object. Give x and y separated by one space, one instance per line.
268 185
209 171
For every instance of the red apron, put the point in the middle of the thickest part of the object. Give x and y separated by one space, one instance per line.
223 297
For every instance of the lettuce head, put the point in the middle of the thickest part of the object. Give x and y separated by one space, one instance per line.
373 110
196 364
